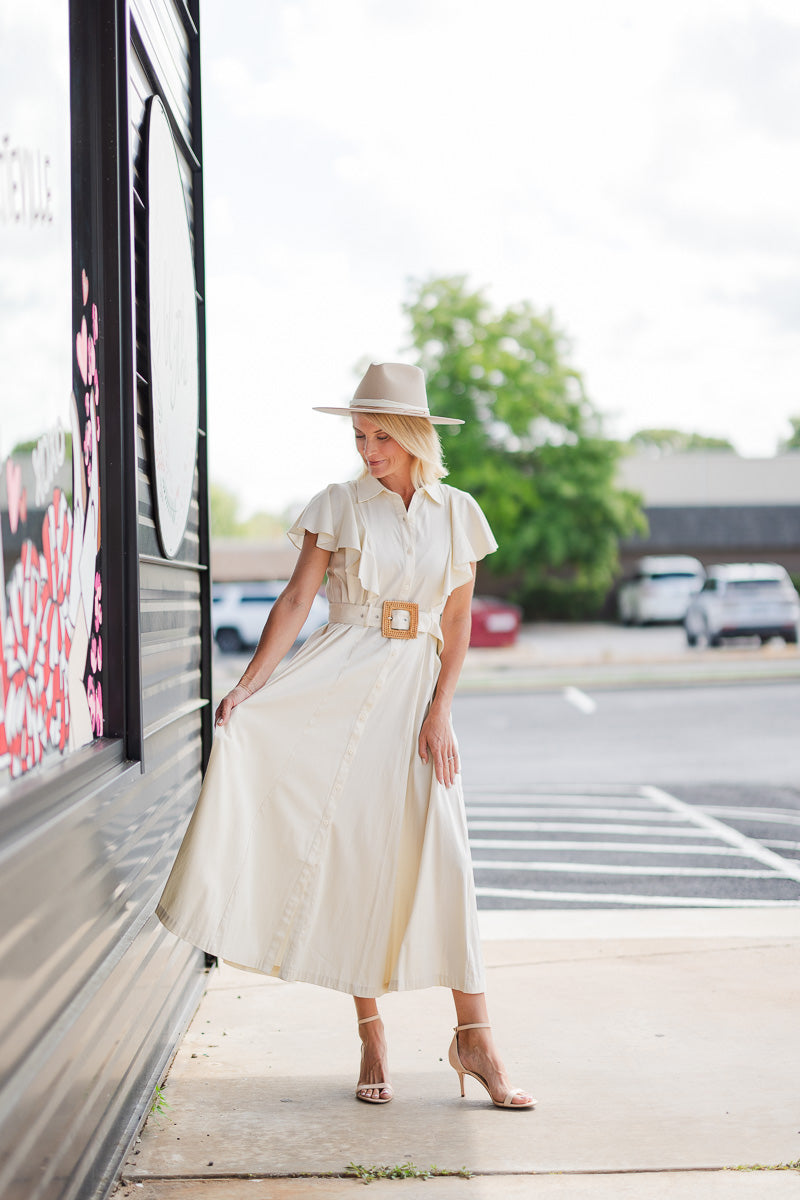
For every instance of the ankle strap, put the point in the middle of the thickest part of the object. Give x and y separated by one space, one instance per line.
478 1025
365 1021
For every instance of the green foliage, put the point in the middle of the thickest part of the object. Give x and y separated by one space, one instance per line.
532 451
677 441
793 440
788 1166
159 1105
224 511
402 1171
226 523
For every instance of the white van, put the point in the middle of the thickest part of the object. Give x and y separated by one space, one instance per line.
660 589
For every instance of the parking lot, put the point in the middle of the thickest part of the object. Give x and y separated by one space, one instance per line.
617 767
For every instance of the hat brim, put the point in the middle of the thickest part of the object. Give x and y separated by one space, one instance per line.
365 408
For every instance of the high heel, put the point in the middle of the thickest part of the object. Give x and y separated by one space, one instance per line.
372 1087
458 1066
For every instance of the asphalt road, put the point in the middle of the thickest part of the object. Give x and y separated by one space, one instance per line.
602 768
660 797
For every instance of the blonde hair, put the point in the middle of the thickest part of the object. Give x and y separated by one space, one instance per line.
418 436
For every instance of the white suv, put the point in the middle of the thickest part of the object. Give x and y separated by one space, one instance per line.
240 610
739 599
660 589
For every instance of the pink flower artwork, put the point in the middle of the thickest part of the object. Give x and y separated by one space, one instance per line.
98 593
39 632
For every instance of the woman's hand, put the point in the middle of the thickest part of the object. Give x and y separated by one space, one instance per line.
437 740
228 703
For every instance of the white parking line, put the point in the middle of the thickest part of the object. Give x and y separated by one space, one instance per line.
777 816
623 901
572 868
580 700
630 814
783 866
554 797
586 827
624 847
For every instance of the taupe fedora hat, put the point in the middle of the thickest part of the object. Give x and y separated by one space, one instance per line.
394 388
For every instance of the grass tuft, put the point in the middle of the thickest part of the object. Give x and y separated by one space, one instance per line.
400 1171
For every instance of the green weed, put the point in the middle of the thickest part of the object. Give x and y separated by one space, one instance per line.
159 1105
401 1171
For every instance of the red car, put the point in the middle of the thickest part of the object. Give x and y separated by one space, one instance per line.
494 623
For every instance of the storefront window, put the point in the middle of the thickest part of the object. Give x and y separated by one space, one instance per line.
51 616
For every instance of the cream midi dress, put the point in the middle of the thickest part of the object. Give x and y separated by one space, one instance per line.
322 848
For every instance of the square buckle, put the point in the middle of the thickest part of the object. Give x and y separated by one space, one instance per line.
406 625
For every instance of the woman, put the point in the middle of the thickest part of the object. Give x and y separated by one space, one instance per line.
329 843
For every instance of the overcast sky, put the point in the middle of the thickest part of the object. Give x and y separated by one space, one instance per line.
633 165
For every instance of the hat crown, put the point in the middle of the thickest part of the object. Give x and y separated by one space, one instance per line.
393 389
399 384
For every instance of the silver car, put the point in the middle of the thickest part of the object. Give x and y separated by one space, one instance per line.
239 612
744 599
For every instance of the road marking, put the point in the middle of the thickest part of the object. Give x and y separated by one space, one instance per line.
548 868
636 814
624 847
623 901
534 797
783 866
580 700
776 816
585 827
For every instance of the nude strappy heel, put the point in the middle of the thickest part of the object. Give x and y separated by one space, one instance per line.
373 1087
457 1065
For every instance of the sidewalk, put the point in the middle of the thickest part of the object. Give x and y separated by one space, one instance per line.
663 1047
547 656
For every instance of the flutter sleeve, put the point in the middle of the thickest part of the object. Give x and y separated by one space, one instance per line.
472 539
331 516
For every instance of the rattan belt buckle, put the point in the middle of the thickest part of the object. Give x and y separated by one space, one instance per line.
400 619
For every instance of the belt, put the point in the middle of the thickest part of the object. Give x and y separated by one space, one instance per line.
395 618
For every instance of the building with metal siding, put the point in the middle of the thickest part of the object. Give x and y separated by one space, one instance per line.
94 993
717 507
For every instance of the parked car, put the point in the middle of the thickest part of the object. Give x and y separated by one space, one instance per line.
239 611
738 599
494 623
660 589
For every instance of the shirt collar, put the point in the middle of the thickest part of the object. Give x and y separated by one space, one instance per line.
367 487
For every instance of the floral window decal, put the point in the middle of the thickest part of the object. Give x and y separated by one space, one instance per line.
51 601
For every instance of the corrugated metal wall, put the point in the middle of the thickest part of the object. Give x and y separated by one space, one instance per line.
94 991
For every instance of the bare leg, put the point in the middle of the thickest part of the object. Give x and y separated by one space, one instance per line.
476 1046
373 1059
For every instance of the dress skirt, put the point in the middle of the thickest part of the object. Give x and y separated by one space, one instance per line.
322 848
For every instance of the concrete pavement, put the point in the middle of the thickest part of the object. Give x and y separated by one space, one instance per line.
662 1046
549 655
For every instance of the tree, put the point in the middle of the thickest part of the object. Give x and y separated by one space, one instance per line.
226 522
223 511
532 451
677 441
793 440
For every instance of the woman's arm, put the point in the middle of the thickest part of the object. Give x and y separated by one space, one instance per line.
436 736
286 619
